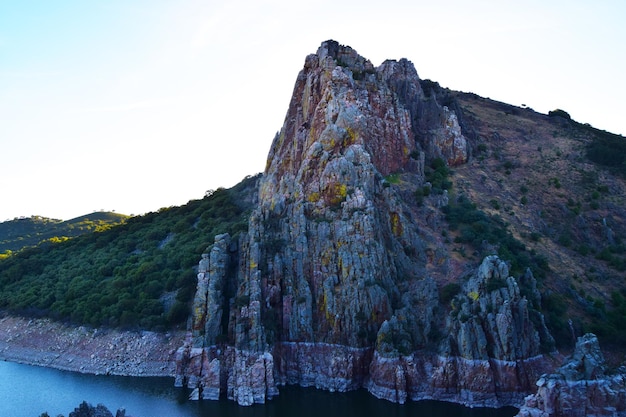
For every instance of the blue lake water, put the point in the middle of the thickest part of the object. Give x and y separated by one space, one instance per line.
28 391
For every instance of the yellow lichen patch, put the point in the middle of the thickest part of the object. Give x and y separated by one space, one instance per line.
473 295
374 316
351 136
324 309
314 197
337 194
253 264
327 256
396 224
281 139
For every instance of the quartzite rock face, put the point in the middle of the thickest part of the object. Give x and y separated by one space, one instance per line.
579 387
335 285
489 357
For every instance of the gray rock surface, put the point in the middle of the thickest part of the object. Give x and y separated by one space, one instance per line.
336 283
580 387
43 342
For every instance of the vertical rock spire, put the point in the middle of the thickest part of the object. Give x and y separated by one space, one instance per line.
335 287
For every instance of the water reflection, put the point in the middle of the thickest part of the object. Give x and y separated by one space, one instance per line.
27 391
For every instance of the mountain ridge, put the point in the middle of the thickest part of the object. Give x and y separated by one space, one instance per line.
401 227
340 278
17 233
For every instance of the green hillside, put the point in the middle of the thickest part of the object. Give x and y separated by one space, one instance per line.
139 273
30 231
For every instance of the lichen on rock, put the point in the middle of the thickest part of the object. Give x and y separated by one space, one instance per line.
336 282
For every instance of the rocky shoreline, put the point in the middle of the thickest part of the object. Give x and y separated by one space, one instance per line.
43 342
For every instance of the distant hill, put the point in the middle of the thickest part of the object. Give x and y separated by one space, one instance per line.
30 231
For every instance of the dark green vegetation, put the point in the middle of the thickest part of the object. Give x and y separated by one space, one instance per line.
603 148
436 175
88 410
608 150
136 274
488 234
547 192
30 231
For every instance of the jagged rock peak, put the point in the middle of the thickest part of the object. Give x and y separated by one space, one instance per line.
340 100
332 285
587 361
342 55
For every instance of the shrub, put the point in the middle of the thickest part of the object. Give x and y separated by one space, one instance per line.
437 174
448 292
559 113
242 301
476 227
495 284
608 150
393 178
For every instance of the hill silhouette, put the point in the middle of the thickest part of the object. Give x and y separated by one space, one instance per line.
31 231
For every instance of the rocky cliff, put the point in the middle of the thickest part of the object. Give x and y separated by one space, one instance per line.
580 387
343 279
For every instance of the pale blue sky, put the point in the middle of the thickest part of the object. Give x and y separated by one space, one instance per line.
134 105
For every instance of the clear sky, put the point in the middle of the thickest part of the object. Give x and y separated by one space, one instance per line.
134 105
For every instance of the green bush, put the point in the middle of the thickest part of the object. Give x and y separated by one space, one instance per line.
559 113
608 150
119 277
448 292
437 174
477 228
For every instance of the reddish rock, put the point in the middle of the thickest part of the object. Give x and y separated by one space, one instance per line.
580 387
336 283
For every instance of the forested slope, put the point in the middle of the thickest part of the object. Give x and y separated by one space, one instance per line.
30 231
136 274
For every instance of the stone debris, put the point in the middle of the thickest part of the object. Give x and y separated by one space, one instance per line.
44 342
